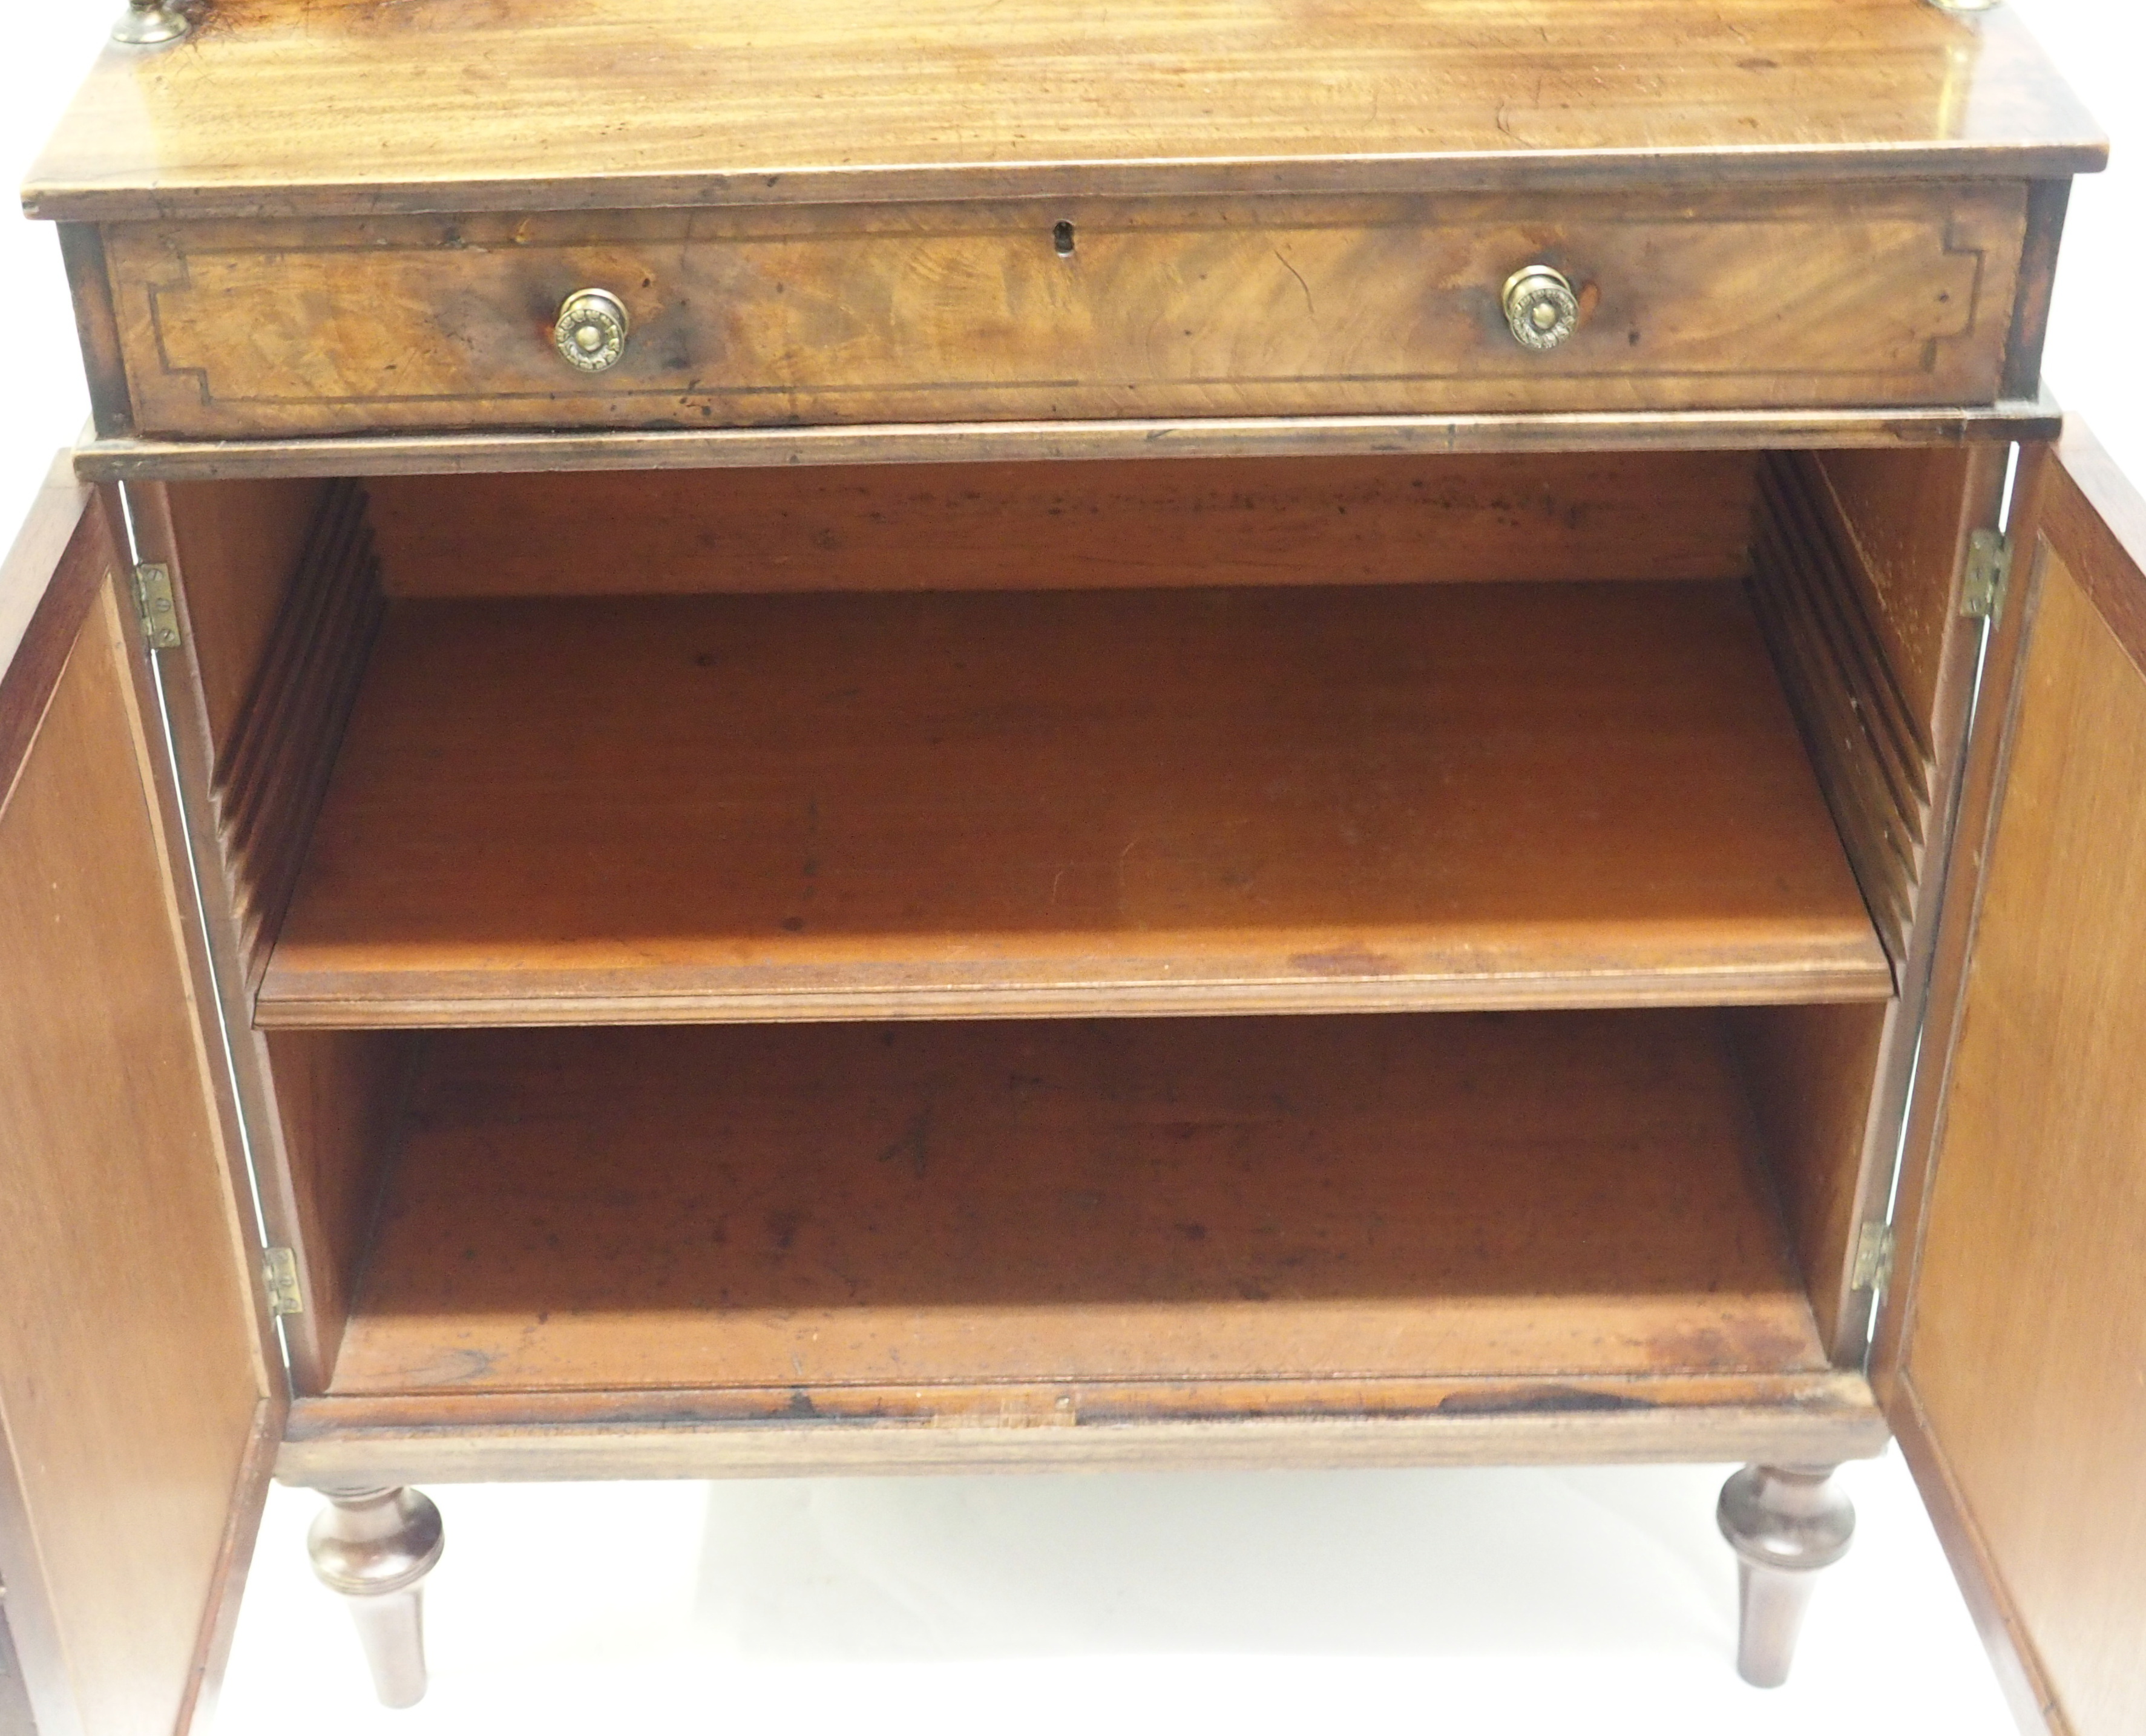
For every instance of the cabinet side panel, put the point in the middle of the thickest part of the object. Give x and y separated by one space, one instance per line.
239 544
1907 513
129 1385
1889 641
1869 741
2047 202
1854 560
96 325
275 581
339 1095
309 630
1811 1071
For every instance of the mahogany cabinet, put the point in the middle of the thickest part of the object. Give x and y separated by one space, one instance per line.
823 739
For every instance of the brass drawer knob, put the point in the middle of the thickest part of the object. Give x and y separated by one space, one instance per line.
146 23
591 330
1540 308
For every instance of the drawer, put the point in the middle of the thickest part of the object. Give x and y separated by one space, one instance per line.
1759 298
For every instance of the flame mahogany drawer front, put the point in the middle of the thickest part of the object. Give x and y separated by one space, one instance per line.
1746 298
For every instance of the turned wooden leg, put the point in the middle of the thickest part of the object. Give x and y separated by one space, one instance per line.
1784 1522
375 1547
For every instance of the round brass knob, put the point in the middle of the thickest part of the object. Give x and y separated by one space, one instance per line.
146 23
1540 308
591 331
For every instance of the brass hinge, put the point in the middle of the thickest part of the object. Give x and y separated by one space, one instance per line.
153 603
1874 1257
1988 571
279 1274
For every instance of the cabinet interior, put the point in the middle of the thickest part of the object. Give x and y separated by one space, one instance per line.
713 930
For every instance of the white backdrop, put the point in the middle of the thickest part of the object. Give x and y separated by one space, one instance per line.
1513 1601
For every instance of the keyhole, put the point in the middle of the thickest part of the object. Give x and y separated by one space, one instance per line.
1061 237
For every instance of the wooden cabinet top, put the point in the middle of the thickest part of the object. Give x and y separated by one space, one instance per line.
351 108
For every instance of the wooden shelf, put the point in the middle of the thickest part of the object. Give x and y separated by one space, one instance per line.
810 806
1173 1201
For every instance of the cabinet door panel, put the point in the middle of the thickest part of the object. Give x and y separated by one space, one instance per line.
134 1412
2013 1362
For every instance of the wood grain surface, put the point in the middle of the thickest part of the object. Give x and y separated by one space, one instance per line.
1870 743
607 102
51 573
335 1099
1160 1199
1114 523
272 769
237 547
97 328
459 1437
2012 1359
1813 1077
2047 203
1907 515
1778 297
129 1387
1050 802
1889 427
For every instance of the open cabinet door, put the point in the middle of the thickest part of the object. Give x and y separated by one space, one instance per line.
2012 1358
136 1417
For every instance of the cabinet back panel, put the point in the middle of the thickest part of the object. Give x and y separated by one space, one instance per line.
1107 524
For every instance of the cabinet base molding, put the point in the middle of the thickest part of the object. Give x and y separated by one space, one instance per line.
439 1437
1785 1523
373 1547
